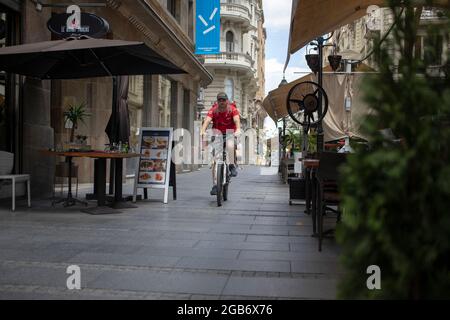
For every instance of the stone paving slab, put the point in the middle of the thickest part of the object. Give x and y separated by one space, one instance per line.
273 287
242 245
119 259
234 264
288 256
255 246
181 282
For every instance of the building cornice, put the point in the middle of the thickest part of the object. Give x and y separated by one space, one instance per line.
164 34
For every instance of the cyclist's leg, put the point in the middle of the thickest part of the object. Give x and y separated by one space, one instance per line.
231 148
235 152
214 178
213 171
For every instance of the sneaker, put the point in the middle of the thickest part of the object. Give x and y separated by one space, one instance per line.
233 170
214 191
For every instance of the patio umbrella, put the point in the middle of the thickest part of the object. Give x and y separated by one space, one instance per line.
83 57
337 85
313 18
120 115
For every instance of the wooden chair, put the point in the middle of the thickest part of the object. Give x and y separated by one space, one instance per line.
6 168
327 176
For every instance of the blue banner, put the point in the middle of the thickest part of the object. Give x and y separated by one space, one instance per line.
207 30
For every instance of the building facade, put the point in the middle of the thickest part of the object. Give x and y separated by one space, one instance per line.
355 41
239 68
32 110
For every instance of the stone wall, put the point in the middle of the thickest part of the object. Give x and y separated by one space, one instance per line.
37 130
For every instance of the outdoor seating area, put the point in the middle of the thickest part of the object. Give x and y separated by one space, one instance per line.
6 175
246 150
318 187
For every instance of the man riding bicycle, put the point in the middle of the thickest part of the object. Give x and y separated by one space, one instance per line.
225 117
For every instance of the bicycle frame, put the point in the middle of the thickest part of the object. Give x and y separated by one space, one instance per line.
222 174
222 159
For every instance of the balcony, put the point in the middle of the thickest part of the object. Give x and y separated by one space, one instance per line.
432 14
230 60
237 12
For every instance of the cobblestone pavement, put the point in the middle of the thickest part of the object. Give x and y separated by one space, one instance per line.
255 246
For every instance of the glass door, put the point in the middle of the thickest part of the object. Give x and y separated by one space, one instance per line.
10 117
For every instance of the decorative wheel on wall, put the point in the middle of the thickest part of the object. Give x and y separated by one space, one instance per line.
303 103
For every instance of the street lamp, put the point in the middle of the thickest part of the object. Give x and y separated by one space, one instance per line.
315 63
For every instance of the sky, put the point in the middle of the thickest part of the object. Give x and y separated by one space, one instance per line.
277 15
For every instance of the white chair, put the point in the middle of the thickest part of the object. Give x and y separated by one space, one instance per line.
6 167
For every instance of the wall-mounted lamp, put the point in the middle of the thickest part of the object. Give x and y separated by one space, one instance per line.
313 59
334 59
283 82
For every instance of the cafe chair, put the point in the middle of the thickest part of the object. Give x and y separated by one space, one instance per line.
6 168
328 189
62 171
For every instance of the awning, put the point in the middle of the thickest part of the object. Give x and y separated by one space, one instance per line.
314 18
338 122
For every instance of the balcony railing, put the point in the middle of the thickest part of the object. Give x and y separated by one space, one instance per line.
230 58
432 13
236 9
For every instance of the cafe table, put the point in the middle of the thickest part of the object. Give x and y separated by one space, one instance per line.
100 179
311 165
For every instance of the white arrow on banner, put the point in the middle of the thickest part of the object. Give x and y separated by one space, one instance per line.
213 14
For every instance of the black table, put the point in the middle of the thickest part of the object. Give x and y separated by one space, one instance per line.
100 179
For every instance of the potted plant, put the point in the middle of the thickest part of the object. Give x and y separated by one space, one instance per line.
293 140
76 114
312 143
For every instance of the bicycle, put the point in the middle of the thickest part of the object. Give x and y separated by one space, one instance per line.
223 175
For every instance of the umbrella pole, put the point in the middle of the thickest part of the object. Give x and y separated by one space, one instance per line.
320 137
113 134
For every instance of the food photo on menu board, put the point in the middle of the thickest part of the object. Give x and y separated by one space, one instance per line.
150 165
154 154
155 142
152 177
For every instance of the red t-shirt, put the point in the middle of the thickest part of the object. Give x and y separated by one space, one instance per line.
223 121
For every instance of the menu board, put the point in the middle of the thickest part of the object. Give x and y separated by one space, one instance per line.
154 163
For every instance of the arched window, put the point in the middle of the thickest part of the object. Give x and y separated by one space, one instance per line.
230 41
229 88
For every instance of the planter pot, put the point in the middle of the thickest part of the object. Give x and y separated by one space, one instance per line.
297 189
335 61
313 62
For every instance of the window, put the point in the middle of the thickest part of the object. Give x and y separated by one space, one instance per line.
229 88
429 49
433 45
164 101
230 41
191 19
9 94
173 8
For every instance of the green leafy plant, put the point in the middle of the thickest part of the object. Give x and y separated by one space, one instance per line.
76 114
396 195
312 143
293 140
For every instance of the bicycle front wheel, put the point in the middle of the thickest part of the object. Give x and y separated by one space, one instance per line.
220 178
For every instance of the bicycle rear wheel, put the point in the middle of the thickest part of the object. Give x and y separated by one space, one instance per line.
219 184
